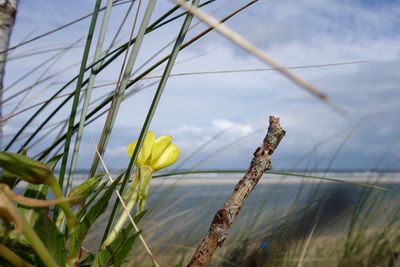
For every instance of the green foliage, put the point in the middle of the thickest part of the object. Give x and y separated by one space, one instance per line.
54 241
116 253
94 212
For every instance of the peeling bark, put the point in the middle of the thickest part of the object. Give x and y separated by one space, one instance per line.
224 218
8 10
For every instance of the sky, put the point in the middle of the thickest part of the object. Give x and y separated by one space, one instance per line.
194 109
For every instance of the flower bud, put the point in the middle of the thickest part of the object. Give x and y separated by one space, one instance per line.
29 170
79 193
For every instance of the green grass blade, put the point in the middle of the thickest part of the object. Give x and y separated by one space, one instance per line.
91 216
181 15
88 94
56 29
112 56
76 97
153 107
272 172
117 99
114 40
150 69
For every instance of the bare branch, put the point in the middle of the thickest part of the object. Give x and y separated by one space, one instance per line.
224 218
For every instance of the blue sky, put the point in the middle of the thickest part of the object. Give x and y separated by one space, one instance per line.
194 108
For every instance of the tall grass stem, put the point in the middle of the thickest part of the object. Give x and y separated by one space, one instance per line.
88 94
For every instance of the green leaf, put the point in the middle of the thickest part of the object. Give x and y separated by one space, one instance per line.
83 209
91 216
51 237
125 246
117 252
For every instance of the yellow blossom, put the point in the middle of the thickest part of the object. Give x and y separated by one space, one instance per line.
155 153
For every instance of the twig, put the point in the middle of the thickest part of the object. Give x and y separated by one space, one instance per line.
224 218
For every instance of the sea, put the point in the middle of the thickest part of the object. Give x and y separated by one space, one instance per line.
180 208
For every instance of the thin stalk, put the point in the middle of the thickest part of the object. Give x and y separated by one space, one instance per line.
76 97
283 173
34 69
258 69
71 218
88 94
57 29
13 258
117 99
114 40
35 52
37 244
149 70
172 75
38 81
131 201
153 107
182 14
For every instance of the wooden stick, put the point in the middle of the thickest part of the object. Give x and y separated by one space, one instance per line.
224 218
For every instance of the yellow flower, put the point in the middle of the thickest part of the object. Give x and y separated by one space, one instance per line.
155 153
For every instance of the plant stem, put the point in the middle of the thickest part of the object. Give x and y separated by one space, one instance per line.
88 94
157 96
121 86
111 57
135 195
76 98
37 244
71 218
13 258
45 152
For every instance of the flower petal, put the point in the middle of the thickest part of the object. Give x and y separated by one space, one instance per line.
147 147
159 146
167 158
131 148
145 150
